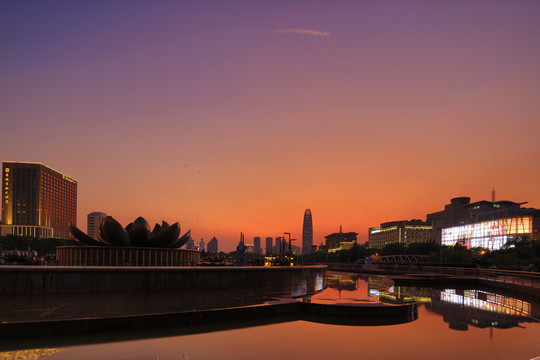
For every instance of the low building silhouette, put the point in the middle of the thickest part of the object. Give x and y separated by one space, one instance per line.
336 240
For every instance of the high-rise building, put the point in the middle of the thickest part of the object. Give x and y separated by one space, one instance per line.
212 247
202 245
269 246
307 233
257 245
94 219
279 247
37 201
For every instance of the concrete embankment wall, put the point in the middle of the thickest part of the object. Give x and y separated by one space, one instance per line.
37 280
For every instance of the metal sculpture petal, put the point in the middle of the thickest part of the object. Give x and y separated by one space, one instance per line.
137 234
156 231
112 232
82 237
181 241
166 237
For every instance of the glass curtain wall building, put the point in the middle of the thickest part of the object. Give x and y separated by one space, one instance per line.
492 234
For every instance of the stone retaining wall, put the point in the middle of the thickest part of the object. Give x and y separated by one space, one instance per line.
45 280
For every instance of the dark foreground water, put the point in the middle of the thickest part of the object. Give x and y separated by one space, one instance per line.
452 324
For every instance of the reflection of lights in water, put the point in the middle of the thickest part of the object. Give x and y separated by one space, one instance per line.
319 282
385 290
488 302
29 354
300 289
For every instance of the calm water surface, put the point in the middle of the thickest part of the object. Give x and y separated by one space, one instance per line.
452 324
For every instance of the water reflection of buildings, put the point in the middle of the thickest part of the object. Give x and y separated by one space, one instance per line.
341 282
385 290
461 308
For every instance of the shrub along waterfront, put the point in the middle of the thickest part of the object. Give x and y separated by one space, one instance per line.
515 255
42 246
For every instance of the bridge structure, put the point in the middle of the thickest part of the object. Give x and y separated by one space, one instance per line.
402 259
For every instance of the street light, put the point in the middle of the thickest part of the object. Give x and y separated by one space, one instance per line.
289 234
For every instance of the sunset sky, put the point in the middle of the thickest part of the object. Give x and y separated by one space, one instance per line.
236 116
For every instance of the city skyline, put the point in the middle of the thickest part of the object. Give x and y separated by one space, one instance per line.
237 117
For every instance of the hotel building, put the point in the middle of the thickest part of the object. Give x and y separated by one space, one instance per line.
37 201
402 232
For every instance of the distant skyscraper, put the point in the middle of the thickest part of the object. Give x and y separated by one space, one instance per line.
212 247
94 219
278 248
307 233
190 244
202 245
257 245
269 245
37 201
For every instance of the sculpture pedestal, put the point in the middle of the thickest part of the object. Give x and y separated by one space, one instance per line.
125 256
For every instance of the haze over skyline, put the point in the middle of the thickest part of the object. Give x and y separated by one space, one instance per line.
237 116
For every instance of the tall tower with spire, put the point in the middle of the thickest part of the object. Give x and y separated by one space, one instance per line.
307 233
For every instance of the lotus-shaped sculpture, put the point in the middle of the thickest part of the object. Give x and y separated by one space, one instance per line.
136 234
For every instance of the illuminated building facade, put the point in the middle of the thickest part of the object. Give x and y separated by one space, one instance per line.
307 233
335 240
92 225
401 232
461 211
493 234
37 201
